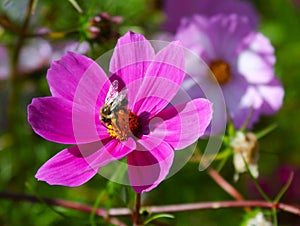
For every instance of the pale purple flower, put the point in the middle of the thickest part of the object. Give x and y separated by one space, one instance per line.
177 9
4 63
80 90
37 54
62 47
33 56
242 61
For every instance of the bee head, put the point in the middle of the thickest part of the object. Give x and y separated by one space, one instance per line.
105 110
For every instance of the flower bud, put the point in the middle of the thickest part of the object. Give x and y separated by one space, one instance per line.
101 27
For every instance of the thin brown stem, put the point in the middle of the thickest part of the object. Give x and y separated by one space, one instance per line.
224 184
66 204
113 212
8 25
216 176
136 214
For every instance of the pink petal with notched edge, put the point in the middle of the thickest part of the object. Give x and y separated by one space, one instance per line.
162 80
149 166
130 49
64 75
52 118
182 125
131 58
76 165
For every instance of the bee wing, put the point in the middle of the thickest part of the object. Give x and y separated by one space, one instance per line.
118 100
112 92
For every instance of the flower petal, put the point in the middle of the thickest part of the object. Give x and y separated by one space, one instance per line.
182 125
193 34
272 94
131 58
78 164
67 168
256 63
64 75
149 165
162 80
131 48
53 119
177 9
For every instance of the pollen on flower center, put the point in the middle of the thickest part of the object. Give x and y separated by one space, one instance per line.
123 124
221 71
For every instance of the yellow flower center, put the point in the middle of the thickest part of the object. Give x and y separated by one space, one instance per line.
123 124
221 71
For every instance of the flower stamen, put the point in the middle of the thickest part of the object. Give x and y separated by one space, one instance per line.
123 124
221 70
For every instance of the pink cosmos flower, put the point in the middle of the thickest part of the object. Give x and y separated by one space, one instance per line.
241 60
177 9
124 116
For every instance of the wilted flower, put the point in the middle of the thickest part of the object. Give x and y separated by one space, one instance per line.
245 150
242 62
258 220
177 9
125 116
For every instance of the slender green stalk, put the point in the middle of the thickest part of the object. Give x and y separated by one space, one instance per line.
274 213
257 185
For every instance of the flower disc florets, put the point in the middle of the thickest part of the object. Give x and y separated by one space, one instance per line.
123 124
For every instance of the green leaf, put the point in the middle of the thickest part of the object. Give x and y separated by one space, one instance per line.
158 216
284 188
257 185
265 131
35 2
76 6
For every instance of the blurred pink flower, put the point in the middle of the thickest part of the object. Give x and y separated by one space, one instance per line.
108 122
37 54
241 60
177 9
4 63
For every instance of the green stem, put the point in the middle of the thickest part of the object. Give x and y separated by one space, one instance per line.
274 213
257 185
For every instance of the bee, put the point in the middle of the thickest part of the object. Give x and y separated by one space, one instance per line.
114 102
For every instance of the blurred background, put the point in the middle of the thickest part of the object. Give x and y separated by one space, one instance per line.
58 26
